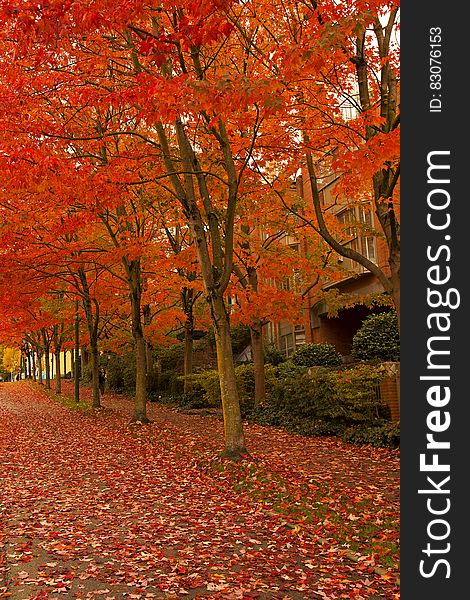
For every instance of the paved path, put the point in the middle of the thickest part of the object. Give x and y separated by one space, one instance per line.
89 510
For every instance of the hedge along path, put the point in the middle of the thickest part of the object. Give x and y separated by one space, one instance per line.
97 510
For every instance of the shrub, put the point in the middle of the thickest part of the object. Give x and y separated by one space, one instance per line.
188 400
207 382
120 373
240 336
385 435
378 338
170 357
288 369
322 355
273 356
86 374
167 384
328 402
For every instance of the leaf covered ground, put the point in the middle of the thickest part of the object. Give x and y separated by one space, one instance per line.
93 507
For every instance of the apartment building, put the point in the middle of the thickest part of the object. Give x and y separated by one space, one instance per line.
358 224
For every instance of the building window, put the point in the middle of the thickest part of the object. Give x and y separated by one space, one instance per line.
290 338
287 344
357 221
299 335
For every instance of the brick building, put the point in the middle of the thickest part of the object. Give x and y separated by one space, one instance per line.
358 220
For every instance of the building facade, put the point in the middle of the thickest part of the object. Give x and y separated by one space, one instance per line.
359 227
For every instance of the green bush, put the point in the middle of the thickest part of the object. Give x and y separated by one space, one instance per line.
86 374
288 369
207 383
385 435
322 355
120 373
193 399
170 357
378 338
273 356
327 402
167 384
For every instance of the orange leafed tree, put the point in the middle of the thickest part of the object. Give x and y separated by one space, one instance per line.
201 100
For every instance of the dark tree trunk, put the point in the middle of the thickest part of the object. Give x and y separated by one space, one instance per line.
92 321
47 362
58 380
188 355
257 352
135 287
233 426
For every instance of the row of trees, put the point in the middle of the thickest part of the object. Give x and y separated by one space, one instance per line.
147 158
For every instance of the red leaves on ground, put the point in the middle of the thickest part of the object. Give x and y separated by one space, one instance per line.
97 508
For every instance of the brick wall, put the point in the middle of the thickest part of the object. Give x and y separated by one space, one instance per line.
390 394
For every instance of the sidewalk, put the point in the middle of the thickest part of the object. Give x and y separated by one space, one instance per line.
93 508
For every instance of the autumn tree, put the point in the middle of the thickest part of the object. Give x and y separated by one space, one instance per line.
211 97
11 360
348 115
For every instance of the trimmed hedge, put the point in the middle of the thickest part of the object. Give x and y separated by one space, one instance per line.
317 401
378 338
342 402
322 355
206 386
120 373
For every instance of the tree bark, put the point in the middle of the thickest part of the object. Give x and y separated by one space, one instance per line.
32 365
47 361
140 407
257 353
84 359
58 374
92 321
57 339
149 363
76 360
214 257
95 374
39 363
188 355
135 287
233 427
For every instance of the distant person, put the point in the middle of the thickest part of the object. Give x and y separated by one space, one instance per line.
101 380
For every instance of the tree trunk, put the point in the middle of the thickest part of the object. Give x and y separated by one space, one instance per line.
140 406
233 426
257 353
395 279
84 357
215 258
47 362
92 321
158 370
76 355
95 373
188 356
58 381
149 365
39 363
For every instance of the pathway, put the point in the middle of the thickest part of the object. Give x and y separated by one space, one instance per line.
90 510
